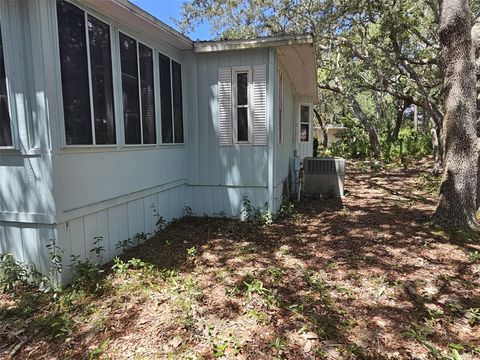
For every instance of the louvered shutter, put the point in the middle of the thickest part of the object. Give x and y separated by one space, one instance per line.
225 106
259 105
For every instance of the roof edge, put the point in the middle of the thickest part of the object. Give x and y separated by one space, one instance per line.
262 42
154 21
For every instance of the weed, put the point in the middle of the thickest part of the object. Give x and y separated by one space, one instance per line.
276 274
56 259
278 346
188 211
192 252
98 249
258 216
88 274
55 327
474 256
473 315
124 245
98 351
119 266
14 274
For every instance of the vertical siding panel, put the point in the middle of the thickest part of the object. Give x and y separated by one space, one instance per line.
122 225
63 240
163 204
140 216
75 232
213 123
44 235
91 231
30 245
197 200
114 230
150 204
3 239
203 120
14 242
132 219
102 226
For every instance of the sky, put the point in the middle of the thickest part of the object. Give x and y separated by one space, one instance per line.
166 10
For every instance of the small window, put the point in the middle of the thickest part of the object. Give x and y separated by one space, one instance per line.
280 107
138 91
304 123
86 70
171 100
5 123
241 111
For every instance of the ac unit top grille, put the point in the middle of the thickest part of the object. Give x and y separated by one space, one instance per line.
314 165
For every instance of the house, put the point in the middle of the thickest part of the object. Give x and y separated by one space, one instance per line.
110 120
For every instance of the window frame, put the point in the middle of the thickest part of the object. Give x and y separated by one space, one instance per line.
249 106
172 119
12 111
300 122
157 47
113 54
156 83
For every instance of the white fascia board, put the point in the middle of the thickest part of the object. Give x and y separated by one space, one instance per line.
225 45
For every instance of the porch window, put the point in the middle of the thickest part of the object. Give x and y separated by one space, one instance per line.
5 124
171 100
241 111
86 70
138 91
304 123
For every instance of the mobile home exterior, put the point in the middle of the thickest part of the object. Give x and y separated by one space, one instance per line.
110 119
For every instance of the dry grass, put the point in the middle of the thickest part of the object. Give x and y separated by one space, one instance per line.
365 278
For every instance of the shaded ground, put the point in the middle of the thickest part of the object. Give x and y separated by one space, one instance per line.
366 278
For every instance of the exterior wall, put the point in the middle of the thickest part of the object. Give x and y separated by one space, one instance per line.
73 194
223 174
119 222
285 151
27 206
290 152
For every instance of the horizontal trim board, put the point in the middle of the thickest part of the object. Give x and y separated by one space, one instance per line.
230 186
213 46
103 205
27 218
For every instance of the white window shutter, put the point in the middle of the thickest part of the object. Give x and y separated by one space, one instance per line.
259 105
225 106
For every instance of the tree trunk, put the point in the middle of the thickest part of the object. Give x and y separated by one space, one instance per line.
457 201
399 121
323 127
437 157
367 124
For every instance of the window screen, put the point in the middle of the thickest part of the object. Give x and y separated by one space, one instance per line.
5 125
177 101
102 84
74 70
147 94
131 103
166 98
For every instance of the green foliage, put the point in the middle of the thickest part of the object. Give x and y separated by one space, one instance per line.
256 215
124 245
15 275
87 274
353 142
192 252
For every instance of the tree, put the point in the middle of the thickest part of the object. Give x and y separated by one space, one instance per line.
387 50
457 203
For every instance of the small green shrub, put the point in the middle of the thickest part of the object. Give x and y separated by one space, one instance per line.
15 275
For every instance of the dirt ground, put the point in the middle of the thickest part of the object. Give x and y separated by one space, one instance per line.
367 277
